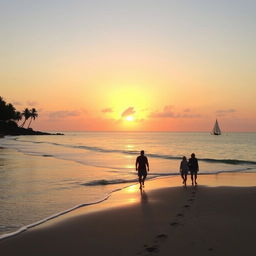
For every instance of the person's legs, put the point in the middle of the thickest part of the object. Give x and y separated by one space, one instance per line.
182 176
192 177
185 179
195 178
144 177
140 179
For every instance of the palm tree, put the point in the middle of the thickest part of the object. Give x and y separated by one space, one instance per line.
33 115
26 113
18 116
7 111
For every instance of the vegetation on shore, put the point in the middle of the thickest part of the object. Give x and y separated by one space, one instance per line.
10 118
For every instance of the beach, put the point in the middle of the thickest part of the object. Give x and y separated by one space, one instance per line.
38 172
214 218
97 96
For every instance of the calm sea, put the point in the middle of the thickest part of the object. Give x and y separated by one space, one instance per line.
41 176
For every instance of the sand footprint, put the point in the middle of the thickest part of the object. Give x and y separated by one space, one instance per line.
161 236
211 251
155 247
174 223
152 248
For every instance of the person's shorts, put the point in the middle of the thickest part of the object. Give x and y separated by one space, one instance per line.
184 172
193 171
142 173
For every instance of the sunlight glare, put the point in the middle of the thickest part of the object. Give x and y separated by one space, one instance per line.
129 118
132 189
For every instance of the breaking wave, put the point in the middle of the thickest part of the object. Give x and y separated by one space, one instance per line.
135 152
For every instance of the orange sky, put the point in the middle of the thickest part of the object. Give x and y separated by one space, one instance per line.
85 66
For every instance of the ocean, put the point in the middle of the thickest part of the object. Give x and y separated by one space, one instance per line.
44 176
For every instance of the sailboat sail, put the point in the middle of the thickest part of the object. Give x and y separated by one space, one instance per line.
216 129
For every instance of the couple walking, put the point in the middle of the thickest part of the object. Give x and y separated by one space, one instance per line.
142 167
189 166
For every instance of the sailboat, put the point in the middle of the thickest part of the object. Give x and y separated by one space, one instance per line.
216 129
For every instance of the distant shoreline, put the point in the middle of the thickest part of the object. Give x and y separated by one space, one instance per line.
6 130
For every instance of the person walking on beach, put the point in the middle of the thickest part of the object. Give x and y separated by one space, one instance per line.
184 170
193 168
142 167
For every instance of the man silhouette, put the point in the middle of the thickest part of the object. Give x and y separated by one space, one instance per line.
193 168
142 167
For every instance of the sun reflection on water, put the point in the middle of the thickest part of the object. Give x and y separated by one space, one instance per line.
132 189
132 192
129 146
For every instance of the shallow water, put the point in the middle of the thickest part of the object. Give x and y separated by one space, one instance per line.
44 175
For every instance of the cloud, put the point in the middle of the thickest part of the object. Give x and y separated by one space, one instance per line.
17 103
32 103
107 110
225 111
129 111
169 113
166 113
190 115
83 111
63 114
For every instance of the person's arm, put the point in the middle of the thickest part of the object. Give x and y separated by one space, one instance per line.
197 165
147 164
136 164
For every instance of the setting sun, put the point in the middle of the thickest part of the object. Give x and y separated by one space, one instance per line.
130 118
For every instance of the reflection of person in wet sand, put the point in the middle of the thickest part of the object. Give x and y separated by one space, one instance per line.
142 167
193 168
144 197
184 170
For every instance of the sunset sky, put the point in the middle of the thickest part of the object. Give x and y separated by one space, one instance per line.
130 65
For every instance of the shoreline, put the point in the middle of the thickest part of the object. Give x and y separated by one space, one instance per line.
164 180
165 193
14 130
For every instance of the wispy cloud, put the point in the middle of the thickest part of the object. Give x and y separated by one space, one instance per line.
129 111
225 112
190 115
168 112
63 114
31 103
17 103
221 111
107 110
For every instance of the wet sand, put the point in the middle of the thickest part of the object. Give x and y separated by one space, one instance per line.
214 218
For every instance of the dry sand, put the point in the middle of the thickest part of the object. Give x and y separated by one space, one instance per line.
164 219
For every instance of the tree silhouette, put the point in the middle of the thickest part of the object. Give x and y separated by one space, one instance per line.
9 119
26 114
33 115
9 115
18 116
7 111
